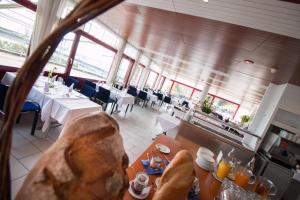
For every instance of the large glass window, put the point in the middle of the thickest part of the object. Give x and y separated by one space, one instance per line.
166 86
181 91
92 60
122 71
151 80
136 76
102 33
16 24
130 51
225 108
60 57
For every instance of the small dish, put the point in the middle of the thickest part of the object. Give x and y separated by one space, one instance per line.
143 195
163 148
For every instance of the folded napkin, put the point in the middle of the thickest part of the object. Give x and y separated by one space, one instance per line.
150 170
71 87
46 87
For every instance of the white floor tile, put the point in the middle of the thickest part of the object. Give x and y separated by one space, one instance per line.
43 144
31 160
17 170
24 150
16 185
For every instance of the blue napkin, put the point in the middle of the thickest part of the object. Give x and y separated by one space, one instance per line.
150 170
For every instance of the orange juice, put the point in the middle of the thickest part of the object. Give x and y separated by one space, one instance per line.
242 178
223 169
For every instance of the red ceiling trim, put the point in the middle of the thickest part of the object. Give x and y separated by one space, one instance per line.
27 4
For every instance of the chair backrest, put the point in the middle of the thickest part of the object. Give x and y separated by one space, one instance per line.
69 81
167 99
142 95
89 83
3 91
88 91
132 91
185 103
103 95
160 96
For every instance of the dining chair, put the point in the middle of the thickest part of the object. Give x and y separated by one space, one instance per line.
132 91
142 96
90 83
103 97
160 97
28 106
185 103
88 91
166 100
69 81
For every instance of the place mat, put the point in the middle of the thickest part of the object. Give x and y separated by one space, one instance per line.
151 171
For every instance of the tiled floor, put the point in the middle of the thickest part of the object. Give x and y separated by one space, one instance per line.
137 129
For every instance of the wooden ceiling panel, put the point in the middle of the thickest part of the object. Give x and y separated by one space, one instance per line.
209 50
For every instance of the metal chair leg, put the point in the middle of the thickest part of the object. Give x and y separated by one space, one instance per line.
113 107
105 107
35 120
19 118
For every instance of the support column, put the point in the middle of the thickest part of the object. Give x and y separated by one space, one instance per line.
116 63
158 80
135 65
204 93
144 75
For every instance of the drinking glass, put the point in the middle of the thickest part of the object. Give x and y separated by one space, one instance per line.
244 176
140 182
224 168
264 187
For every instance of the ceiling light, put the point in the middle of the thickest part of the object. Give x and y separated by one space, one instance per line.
249 62
205 1
273 70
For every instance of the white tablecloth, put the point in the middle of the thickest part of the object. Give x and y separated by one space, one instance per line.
167 122
55 104
152 97
122 97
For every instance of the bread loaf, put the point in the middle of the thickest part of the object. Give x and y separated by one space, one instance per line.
87 162
177 178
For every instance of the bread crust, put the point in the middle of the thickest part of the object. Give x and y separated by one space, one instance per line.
87 162
177 178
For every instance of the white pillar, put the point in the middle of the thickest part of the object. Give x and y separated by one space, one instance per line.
47 15
158 80
144 76
135 65
204 93
116 63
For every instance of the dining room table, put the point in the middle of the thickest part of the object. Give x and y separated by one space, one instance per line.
209 186
58 103
121 96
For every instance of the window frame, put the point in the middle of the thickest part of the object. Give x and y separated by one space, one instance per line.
157 75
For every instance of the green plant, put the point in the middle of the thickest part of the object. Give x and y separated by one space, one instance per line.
245 119
207 104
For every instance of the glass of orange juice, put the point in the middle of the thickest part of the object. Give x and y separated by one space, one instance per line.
243 177
224 168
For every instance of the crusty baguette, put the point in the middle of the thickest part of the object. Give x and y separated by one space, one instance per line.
87 162
177 178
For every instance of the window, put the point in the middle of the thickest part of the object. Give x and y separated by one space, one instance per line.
122 71
144 60
166 86
60 57
16 26
102 33
151 80
181 91
225 108
161 81
92 60
155 67
131 51
137 76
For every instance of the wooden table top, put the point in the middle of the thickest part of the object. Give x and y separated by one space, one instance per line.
209 187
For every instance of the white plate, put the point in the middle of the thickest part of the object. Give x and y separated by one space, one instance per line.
143 195
207 168
162 148
203 150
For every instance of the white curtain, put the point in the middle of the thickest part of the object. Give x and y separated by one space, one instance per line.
47 15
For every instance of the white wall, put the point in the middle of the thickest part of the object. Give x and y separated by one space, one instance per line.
267 109
291 99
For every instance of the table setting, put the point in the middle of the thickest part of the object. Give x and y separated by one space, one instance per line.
57 101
